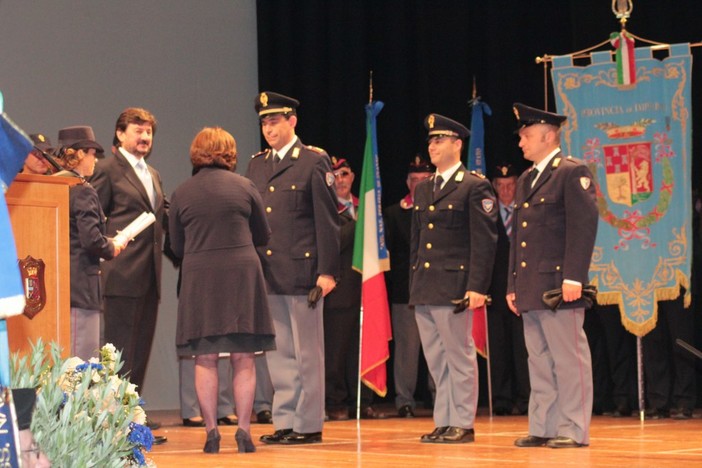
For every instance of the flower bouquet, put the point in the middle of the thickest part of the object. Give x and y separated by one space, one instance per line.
85 414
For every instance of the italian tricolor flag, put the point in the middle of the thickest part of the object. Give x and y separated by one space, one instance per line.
371 259
626 66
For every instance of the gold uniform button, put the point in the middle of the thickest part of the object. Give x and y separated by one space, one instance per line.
268 209
430 225
426 264
293 187
271 189
461 267
526 204
431 208
523 264
416 208
428 245
558 268
307 255
542 200
269 252
524 224
450 207
523 244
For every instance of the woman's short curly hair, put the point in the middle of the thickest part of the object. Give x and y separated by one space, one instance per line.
70 158
213 146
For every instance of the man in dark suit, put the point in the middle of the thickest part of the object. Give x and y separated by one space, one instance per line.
509 371
405 336
553 236
127 187
452 251
297 186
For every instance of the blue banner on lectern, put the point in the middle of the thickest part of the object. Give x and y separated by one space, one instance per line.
637 141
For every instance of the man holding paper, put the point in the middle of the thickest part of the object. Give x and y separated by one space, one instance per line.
128 188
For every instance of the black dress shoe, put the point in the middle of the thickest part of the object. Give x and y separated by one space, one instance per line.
681 413
369 413
501 411
275 437
531 441
298 438
227 421
431 438
153 425
194 422
338 414
563 442
264 417
621 411
456 435
158 440
654 414
405 412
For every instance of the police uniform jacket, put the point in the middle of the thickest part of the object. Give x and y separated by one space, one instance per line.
299 199
88 245
123 198
398 226
554 230
453 240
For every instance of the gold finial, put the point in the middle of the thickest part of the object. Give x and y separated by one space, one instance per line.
622 10
370 88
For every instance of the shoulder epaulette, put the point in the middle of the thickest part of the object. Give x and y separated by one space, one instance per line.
477 174
261 153
315 149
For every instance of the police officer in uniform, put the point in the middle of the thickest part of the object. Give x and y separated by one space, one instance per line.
452 251
553 236
297 186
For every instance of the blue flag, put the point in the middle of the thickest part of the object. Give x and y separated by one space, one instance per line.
637 141
476 148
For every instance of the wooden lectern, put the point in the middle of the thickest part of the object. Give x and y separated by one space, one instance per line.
39 214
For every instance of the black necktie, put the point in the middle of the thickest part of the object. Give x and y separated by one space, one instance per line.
437 185
534 174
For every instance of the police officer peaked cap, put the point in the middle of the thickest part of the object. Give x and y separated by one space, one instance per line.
79 137
267 103
438 125
41 142
527 116
504 171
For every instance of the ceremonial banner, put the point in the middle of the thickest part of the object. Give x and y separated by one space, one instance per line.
637 141
371 259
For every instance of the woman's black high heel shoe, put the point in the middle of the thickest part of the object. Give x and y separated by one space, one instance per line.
212 443
243 441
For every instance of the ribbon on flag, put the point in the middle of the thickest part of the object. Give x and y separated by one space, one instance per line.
626 62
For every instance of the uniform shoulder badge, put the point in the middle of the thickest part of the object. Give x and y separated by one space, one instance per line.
261 153
459 176
585 182
295 153
329 178
488 204
477 174
556 162
316 149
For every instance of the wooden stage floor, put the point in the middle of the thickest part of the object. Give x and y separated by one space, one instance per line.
394 442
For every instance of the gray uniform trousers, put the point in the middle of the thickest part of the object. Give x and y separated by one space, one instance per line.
85 333
189 406
406 338
450 352
297 364
263 398
560 372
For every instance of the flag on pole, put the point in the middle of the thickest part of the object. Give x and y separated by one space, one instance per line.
626 65
14 147
371 259
476 162
476 148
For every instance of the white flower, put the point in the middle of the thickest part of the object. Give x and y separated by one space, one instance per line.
71 364
139 415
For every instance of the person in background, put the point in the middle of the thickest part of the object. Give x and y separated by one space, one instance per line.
509 370
300 262
217 219
398 223
342 309
553 235
452 251
36 163
88 241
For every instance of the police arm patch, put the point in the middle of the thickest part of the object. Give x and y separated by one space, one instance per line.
329 176
488 204
585 182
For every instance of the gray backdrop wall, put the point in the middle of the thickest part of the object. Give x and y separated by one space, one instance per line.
80 62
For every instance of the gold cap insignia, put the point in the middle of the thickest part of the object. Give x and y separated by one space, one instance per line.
431 121
41 138
504 170
516 112
334 161
264 99
417 160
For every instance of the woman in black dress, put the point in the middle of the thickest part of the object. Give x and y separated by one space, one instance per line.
216 220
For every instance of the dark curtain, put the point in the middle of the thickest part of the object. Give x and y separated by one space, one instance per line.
424 56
